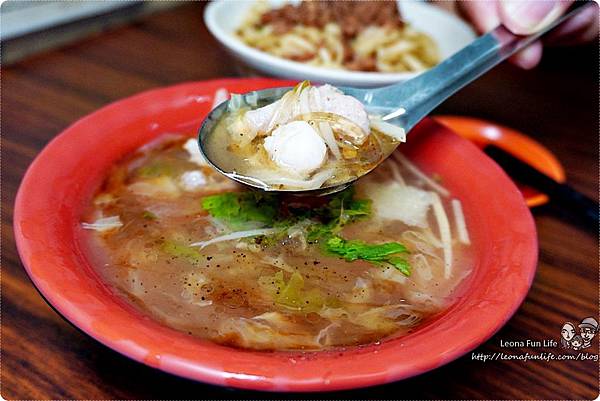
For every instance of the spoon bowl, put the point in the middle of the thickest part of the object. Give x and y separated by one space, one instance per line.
403 104
267 96
264 97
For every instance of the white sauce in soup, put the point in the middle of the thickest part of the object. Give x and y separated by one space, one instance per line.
255 270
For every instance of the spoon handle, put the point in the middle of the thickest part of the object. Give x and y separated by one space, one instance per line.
420 95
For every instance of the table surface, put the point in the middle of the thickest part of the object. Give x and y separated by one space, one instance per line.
44 357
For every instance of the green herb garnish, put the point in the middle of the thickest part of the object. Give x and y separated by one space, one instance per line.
247 209
352 250
344 204
240 210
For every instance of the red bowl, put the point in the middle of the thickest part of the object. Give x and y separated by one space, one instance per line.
63 178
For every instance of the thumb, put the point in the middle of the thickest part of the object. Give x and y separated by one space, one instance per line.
524 17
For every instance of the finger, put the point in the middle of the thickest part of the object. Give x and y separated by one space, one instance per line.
528 57
482 14
449 6
591 33
579 29
524 17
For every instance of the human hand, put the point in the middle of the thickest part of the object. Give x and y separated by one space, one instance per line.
524 17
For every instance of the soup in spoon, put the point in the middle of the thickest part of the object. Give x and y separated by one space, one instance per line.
313 137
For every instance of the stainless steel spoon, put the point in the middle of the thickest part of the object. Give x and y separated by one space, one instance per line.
404 104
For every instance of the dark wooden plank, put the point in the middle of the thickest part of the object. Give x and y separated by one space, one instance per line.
44 357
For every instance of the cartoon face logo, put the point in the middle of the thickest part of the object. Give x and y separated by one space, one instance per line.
568 332
588 329
570 338
576 342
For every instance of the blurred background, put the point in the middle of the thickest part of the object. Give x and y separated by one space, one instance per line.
30 27
62 60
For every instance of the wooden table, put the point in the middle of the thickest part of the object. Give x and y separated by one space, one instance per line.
45 357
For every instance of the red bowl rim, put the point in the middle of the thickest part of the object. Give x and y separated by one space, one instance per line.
488 308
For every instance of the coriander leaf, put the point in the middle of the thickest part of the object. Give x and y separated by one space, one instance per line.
237 210
400 264
344 201
358 207
319 232
340 210
344 208
355 249
351 250
354 210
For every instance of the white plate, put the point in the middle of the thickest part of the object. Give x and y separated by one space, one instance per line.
222 17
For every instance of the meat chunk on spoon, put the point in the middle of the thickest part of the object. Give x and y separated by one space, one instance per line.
326 98
296 147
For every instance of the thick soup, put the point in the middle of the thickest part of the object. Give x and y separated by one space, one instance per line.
250 269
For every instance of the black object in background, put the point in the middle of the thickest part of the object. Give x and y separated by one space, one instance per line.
563 195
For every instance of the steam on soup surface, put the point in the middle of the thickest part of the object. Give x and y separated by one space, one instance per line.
253 270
